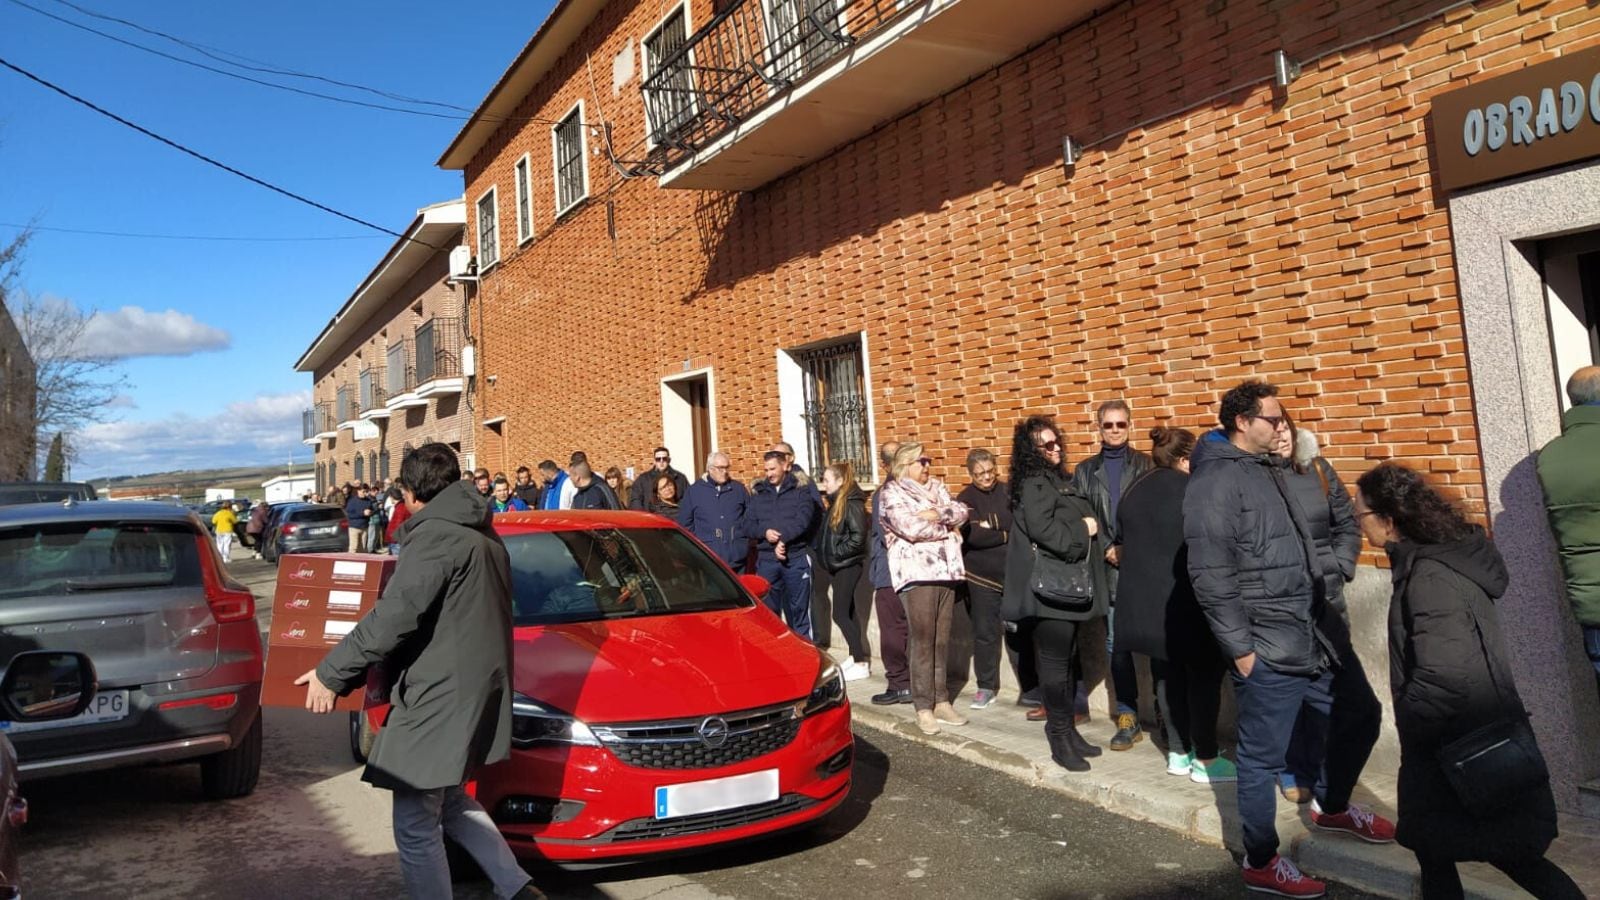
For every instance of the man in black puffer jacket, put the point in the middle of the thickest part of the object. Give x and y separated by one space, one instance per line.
1252 563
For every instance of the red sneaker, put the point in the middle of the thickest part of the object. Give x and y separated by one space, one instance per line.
1370 827
1280 877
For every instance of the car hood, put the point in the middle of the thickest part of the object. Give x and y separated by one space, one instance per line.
664 667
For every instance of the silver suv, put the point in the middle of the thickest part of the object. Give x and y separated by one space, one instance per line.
140 589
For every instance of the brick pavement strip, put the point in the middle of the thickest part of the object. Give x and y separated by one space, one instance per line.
1135 784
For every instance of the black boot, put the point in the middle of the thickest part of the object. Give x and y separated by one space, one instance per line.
1082 745
1064 754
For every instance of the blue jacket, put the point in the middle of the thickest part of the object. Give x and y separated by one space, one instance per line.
714 513
788 507
877 561
552 492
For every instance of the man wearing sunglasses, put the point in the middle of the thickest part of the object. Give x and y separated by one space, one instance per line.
1252 564
661 463
1102 479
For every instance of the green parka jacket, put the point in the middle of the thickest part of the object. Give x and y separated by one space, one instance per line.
1569 472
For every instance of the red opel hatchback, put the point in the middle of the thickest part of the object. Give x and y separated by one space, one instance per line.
659 706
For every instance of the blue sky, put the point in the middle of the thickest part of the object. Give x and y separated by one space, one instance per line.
215 327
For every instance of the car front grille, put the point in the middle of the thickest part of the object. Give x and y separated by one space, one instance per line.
650 829
693 744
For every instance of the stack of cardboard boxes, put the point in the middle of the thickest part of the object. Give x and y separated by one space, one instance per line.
318 600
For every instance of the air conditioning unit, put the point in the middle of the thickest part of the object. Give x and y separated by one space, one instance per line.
461 262
469 361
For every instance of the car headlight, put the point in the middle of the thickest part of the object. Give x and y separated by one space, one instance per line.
828 690
533 723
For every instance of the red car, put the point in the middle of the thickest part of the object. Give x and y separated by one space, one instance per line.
660 706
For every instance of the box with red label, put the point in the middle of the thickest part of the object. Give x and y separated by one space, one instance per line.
318 600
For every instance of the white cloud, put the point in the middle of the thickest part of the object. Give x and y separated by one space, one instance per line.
263 429
134 331
122 401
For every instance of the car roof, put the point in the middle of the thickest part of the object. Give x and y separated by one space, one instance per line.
576 520
92 511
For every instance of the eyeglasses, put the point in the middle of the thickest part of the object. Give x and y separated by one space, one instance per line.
1049 446
1363 515
1275 421
924 461
1113 426
721 468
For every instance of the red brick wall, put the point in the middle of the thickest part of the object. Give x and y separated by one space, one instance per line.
1298 238
446 418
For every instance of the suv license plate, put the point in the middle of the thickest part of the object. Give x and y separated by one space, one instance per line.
326 529
107 706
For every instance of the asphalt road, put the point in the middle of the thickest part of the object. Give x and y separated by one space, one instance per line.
919 823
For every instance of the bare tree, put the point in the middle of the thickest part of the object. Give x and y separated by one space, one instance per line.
74 389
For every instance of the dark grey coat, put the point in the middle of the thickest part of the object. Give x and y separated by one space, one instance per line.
1050 515
443 629
1089 482
1445 684
1248 561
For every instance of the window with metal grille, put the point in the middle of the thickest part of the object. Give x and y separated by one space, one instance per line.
383 463
488 230
358 467
671 106
372 465
836 406
570 147
801 34
524 200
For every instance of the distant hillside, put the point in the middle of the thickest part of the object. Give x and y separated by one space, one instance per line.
191 484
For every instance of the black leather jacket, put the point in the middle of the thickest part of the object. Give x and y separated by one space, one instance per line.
846 545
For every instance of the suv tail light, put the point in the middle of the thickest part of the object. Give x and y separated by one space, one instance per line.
344 524
290 528
229 600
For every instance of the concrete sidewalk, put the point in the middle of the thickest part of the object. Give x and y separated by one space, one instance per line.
1135 784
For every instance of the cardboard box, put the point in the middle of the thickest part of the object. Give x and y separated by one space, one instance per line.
318 600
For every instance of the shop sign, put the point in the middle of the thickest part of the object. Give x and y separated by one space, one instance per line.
1535 118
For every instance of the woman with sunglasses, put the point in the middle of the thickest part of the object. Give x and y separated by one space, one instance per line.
1449 676
922 543
1048 518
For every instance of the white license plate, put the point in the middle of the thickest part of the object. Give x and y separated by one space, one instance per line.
716 795
329 529
107 706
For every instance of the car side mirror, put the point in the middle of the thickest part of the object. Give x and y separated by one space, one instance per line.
40 685
756 585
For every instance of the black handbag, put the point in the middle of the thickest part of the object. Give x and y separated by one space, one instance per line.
1494 766
1062 585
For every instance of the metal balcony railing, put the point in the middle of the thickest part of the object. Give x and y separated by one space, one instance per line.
438 346
318 419
399 377
744 58
371 388
345 404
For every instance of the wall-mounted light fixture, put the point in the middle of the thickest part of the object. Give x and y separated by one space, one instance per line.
1284 69
1070 151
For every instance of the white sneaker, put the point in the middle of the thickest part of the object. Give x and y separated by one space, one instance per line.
856 671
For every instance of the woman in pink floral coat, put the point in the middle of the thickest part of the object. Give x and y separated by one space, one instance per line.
922 539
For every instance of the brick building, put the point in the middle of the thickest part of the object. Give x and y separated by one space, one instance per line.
710 223
388 367
18 384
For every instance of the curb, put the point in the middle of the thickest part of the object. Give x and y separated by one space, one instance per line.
1387 870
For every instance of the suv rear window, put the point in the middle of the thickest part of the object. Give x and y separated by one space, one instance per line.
582 576
72 557
317 514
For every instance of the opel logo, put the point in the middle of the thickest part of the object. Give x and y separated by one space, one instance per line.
714 732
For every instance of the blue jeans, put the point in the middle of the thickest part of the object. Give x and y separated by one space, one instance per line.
790 595
1269 702
1124 677
1591 646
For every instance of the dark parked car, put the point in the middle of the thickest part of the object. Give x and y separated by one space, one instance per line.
12 492
139 588
39 686
306 528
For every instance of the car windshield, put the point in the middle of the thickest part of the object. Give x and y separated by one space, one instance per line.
71 557
318 514
606 573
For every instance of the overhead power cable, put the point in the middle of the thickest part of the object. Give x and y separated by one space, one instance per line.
256 65
333 98
201 156
186 237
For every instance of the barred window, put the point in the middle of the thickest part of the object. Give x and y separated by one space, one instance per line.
383 463
799 35
358 468
524 200
488 231
670 105
836 406
372 465
572 176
